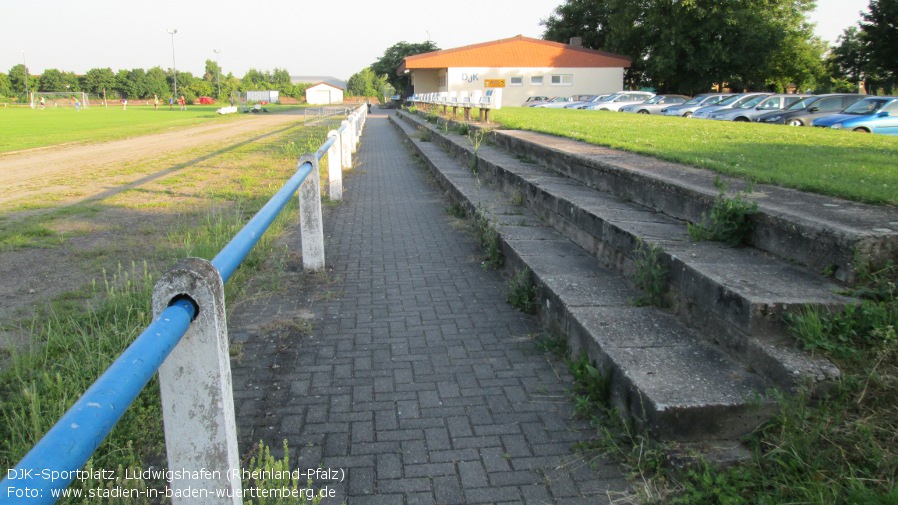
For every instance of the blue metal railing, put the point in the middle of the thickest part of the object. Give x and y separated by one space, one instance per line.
53 462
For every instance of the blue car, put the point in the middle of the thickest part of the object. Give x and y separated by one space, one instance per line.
875 114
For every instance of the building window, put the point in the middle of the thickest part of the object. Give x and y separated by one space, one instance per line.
443 81
516 81
561 79
536 80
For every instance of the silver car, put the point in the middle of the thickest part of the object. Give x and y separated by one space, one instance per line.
571 101
581 105
755 108
729 103
655 104
618 100
697 102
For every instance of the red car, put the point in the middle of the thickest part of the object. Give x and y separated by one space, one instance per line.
205 100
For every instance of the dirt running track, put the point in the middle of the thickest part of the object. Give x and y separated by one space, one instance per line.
26 173
83 172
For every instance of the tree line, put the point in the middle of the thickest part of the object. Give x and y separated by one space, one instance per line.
689 46
380 79
139 83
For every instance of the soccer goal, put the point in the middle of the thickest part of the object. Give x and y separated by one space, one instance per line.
61 99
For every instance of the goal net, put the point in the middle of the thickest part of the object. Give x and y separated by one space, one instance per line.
61 98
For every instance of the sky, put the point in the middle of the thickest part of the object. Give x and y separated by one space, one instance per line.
321 38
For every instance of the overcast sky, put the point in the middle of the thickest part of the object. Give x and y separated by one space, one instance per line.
336 38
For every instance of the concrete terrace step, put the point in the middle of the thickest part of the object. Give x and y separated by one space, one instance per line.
824 233
737 297
662 374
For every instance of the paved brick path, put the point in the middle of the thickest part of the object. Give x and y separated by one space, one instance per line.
417 379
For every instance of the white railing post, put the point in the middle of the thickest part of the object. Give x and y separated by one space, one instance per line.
310 227
352 135
195 382
334 168
346 145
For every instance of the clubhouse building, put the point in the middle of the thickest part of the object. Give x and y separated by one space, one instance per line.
522 66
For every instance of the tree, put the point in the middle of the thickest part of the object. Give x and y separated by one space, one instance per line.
362 83
157 82
96 80
5 85
212 71
17 79
688 45
393 56
255 79
848 59
51 80
880 34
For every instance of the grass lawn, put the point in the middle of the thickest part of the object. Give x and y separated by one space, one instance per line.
193 211
850 165
24 128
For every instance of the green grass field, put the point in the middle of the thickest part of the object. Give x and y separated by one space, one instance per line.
850 165
24 128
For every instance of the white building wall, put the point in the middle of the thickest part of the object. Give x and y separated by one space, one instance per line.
577 81
324 94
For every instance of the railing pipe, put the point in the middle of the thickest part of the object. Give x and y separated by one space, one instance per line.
230 257
74 438
71 442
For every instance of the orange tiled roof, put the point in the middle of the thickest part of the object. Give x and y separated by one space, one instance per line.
519 51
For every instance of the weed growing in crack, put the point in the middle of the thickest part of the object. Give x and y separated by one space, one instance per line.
650 275
731 220
463 129
489 240
522 293
425 135
475 137
456 210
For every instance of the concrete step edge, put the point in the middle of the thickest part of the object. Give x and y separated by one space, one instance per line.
717 401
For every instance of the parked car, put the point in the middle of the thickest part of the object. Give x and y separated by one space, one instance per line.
531 100
581 105
874 114
729 103
803 112
554 99
697 102
655 104
571 100
618 100
752 109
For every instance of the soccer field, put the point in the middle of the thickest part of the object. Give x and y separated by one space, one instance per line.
25 128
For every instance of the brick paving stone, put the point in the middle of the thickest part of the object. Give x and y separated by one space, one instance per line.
416 378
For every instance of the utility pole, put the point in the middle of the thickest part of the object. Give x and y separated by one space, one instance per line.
217 71
25 71
173 31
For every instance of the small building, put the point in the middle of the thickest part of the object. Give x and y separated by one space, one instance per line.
324 94
521 66
322 90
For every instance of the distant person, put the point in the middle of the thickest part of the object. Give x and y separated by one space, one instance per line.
124 103
182 102
171 103
155 101
42 103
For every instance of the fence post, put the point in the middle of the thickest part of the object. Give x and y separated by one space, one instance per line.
346 145
334 168
195 382
311 229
